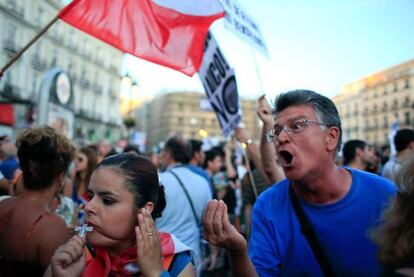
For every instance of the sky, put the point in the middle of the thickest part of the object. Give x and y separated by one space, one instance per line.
319 45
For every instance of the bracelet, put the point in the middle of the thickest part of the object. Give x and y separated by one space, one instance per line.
268 136
164 273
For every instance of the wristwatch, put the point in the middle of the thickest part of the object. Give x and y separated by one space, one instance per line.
268 136
249 141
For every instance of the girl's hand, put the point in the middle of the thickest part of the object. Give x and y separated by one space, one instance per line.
148 245
69 259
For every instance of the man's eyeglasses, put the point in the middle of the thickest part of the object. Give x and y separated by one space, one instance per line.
294 127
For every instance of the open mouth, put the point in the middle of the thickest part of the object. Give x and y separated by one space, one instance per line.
285 158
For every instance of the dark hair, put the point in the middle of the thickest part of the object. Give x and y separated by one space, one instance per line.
403 138
349 149
325 109
195 146
132 148
395 238
92 157
179 148
141 179
43 155
210 156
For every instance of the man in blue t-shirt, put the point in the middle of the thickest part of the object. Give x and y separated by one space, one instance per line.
342 205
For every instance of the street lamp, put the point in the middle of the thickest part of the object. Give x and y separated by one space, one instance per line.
131 88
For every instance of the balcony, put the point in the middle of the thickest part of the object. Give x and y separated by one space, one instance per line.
97 88
11 92
10 48
83 83
38 63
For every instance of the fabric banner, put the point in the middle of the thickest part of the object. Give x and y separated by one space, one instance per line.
220 85
243 25
167 32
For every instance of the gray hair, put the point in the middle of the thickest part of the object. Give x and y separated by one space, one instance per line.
325 109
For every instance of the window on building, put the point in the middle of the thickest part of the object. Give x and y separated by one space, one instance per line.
407 83
98 53
385 122
385 107
34 83
356 109
385 90
395 86
367 126
407 118
12 4
85 47
395 104
40 16
180 105
54 57
11 34
71 38
180 120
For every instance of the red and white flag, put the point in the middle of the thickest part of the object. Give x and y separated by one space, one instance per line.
167 32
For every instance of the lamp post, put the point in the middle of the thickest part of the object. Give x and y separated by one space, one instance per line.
131 88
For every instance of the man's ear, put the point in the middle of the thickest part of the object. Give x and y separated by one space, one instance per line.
359 152
332 138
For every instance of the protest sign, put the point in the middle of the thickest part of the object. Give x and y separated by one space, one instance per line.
243 25
220 85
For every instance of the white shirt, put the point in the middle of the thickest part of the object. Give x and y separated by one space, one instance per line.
177 217
391 169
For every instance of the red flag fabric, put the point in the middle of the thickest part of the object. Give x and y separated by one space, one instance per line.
167 32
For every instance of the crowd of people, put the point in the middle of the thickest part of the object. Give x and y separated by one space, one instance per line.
296 202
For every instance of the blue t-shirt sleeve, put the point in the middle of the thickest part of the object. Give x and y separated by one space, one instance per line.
180 261
263 249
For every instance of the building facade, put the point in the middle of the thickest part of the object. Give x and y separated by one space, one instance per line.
368 107
188 114
93 68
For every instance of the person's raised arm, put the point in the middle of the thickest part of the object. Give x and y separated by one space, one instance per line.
253 151
231 171
267 148
219 232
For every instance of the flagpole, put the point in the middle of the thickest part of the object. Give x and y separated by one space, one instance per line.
30 43
257 71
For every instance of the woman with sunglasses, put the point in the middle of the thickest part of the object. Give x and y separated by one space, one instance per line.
125 197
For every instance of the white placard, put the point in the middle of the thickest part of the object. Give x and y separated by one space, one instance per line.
243 25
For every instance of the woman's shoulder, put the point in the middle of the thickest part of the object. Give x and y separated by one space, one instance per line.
52 226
